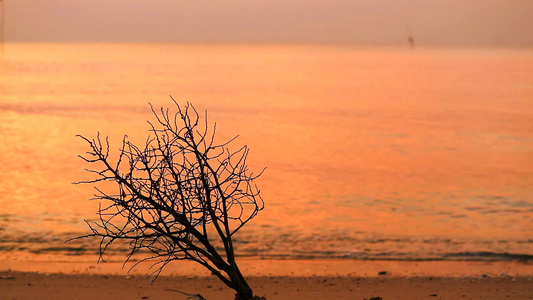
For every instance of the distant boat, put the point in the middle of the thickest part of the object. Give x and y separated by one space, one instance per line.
411 41
410 38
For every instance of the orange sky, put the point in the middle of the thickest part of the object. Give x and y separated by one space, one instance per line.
376 22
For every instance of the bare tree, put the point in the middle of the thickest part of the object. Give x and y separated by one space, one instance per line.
179 197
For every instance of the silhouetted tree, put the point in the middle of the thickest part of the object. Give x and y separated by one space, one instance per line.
180 196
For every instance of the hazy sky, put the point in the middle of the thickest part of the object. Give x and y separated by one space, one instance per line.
432 22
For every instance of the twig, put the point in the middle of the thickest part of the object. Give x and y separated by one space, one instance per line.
189 296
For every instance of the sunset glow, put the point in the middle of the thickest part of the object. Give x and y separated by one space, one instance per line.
397 136
380 22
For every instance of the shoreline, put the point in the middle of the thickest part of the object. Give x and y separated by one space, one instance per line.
32 285
271 267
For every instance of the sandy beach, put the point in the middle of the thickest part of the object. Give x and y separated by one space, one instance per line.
275 279
32 285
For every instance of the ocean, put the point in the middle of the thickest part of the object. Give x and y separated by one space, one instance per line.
372 153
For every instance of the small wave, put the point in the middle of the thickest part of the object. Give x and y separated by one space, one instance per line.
299 246
485 255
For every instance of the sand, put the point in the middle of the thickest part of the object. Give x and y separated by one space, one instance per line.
81 278
33 285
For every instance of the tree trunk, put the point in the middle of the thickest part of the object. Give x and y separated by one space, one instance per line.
244 291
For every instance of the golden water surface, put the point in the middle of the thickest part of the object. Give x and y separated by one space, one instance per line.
371 152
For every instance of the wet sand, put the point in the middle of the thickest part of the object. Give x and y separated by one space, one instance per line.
77 264
32 285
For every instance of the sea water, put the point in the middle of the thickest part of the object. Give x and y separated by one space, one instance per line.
371 153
